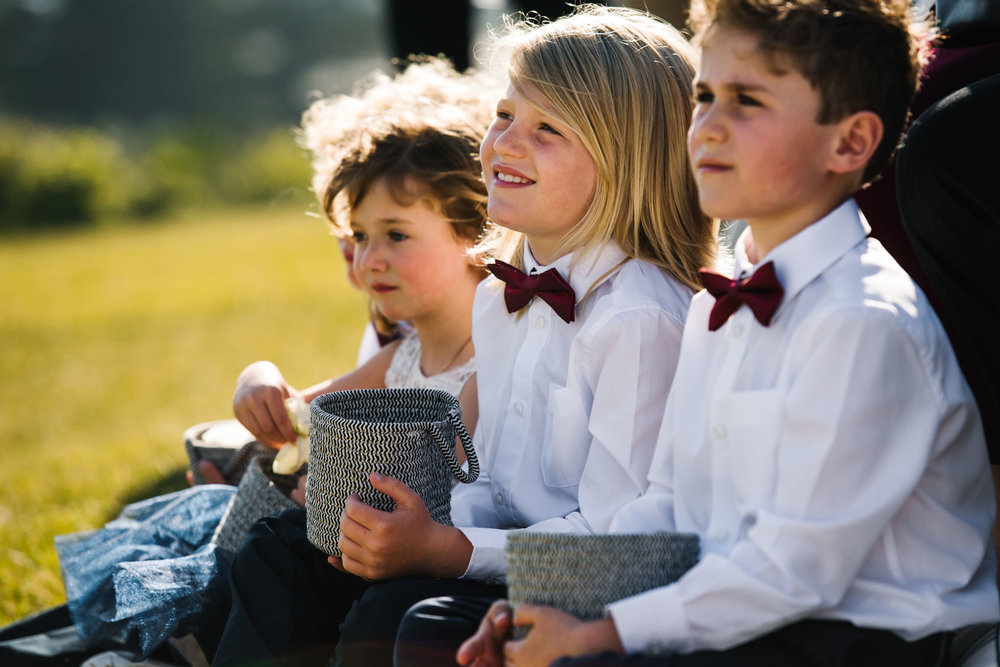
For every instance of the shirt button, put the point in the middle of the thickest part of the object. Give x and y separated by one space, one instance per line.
539 321
719 431
518 407
499 498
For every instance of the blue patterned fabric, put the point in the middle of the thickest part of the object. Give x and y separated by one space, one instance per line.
148 574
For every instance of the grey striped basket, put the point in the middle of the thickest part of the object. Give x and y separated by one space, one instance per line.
580 574
261 493
405 433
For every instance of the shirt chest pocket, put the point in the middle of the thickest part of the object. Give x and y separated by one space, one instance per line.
567 439
744 428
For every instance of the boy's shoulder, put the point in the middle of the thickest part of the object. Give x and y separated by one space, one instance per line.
866 293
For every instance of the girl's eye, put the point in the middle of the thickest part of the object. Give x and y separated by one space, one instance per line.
704 97
545 127
397 236
359 237
747 101
504 115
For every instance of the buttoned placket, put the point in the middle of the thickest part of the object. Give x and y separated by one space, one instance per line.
519 413
736 336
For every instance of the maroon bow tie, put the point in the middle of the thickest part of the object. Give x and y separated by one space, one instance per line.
761 291
548 286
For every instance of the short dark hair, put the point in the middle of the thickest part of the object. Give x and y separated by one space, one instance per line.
860 55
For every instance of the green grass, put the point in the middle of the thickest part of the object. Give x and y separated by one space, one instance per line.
114 341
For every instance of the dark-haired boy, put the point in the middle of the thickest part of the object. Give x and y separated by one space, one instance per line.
819 436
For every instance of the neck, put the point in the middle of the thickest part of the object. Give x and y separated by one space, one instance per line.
445 339
545 251
769 233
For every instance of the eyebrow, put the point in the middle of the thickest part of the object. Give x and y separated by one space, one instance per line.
384 221
735 86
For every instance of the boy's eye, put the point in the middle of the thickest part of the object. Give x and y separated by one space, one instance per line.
704 97
397 236
359 237
748 101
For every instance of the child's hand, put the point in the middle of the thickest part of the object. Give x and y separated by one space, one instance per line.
485 648
555 634
259 404
379 545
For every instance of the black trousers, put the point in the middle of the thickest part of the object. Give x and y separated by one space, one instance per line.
432 631
290 607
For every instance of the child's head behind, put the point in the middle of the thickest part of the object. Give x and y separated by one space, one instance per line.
414 136
859 55
622 81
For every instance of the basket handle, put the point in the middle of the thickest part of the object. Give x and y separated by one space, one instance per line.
448 449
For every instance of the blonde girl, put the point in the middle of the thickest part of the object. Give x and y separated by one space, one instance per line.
593 199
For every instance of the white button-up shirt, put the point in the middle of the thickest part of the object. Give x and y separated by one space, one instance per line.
833 463
568 412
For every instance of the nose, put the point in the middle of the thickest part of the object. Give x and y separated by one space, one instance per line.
369 256
509 142
707 125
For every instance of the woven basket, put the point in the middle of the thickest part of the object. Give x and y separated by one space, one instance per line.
580 574
261 493
224 443
408 434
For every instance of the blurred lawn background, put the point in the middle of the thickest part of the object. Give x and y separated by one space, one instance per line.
114 340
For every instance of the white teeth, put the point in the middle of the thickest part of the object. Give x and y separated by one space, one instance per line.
510 178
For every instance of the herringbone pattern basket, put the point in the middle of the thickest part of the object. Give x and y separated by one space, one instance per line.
261 493
580 574
405 433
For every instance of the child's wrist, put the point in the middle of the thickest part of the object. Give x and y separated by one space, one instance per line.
450 552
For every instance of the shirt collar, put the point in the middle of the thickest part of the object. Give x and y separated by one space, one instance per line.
583 269
800 259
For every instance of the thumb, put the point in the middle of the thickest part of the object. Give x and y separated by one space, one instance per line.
401 494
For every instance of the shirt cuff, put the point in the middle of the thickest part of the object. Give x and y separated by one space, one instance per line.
652 622
488 562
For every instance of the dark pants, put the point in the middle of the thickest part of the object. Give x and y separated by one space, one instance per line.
291 607
432 631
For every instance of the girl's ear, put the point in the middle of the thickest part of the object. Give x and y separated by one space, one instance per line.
858 136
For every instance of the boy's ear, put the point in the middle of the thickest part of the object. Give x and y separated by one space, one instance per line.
858 136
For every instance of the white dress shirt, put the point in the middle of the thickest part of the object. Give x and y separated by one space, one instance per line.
568 412
833 463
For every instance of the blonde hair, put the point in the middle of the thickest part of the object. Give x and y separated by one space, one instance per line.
622 80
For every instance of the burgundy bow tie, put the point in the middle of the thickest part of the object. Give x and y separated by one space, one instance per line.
761 292
548 286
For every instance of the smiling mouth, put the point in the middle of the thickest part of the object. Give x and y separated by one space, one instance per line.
511 178
381 289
